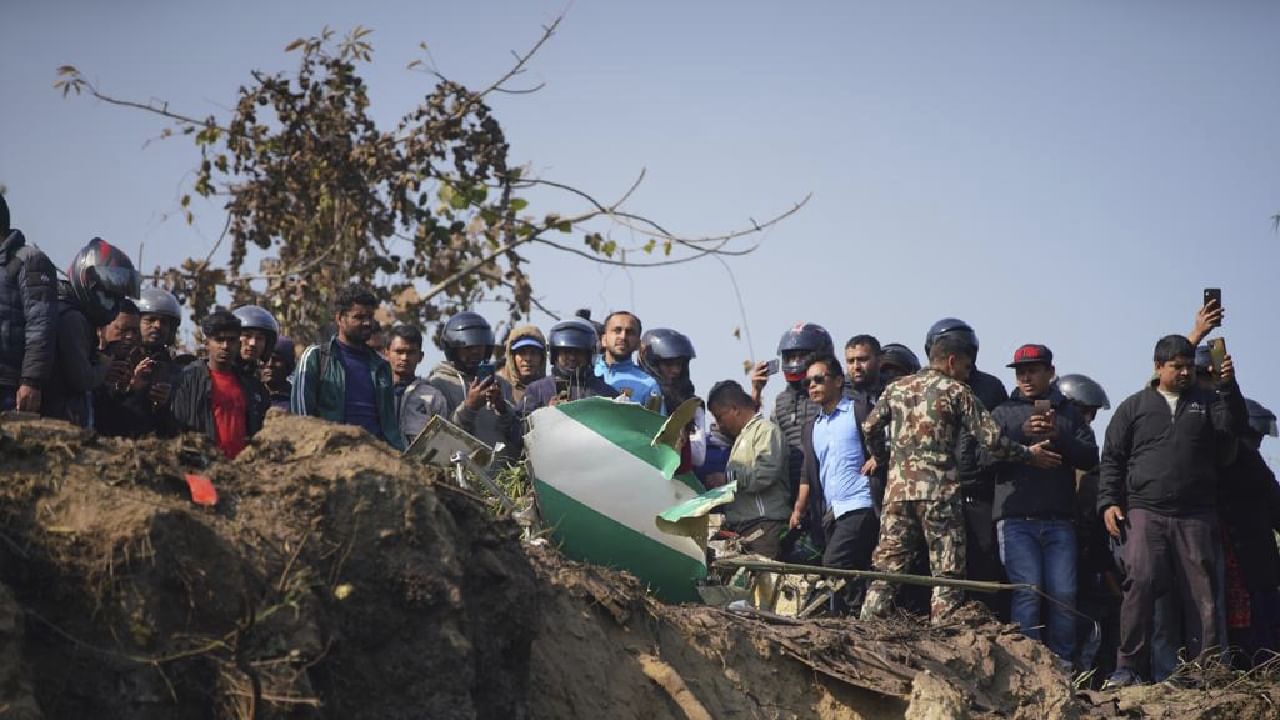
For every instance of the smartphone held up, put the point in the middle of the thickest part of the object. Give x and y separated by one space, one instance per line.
1212 304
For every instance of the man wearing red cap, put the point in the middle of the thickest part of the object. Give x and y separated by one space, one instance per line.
1034 507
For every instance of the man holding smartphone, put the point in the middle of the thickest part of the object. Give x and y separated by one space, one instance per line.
479 400
1161 466
141 405
1034 508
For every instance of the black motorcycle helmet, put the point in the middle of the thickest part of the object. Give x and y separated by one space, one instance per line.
664 344
573 334
954 327
100 276
466 329
1084 391
808 337
897 360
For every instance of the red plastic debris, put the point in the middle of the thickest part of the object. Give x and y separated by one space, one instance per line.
202 492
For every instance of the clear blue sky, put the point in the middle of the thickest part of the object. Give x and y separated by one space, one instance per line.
1065 173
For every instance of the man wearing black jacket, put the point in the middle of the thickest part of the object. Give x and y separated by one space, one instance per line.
214 397
1249 509
28 319
1158 489
862 354
101 277
140 406
1034 507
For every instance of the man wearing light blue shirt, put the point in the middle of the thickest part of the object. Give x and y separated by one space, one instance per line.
615 367
833 461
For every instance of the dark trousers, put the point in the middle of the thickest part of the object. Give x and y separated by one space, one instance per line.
982 554
851 538
1166 553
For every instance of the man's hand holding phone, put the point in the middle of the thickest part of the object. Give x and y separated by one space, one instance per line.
1210 315
760 377
494 396
478 392
1041 423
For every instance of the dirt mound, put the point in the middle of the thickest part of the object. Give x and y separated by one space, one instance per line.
604 649
748 664
331 580
334 580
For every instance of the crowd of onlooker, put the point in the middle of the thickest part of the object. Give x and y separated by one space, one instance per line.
1157 541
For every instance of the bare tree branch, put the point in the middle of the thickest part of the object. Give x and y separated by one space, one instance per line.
522 60
532 300
74 81
631 264
658 231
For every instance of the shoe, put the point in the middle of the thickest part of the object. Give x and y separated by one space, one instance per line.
1122 678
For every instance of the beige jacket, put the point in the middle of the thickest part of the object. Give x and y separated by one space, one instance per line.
758 466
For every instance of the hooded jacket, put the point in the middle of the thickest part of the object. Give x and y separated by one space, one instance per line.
28 312
1022 490
1168 463
508 371
487 425
320 389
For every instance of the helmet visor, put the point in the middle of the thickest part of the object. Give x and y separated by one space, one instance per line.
110 302
122 281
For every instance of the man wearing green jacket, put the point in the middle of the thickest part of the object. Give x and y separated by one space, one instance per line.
761 508
344 380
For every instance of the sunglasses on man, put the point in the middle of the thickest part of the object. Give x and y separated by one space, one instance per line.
817 379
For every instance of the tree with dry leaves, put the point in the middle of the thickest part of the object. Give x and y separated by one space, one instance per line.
429 213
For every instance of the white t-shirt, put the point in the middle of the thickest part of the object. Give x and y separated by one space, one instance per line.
1171 398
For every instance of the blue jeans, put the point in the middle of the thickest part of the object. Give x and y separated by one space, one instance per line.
1042 553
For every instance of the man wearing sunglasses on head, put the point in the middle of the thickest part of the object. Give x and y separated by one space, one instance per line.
98 281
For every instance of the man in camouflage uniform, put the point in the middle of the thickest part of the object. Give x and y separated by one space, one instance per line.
927 413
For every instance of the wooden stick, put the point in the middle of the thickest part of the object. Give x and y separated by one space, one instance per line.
669 680
925 580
